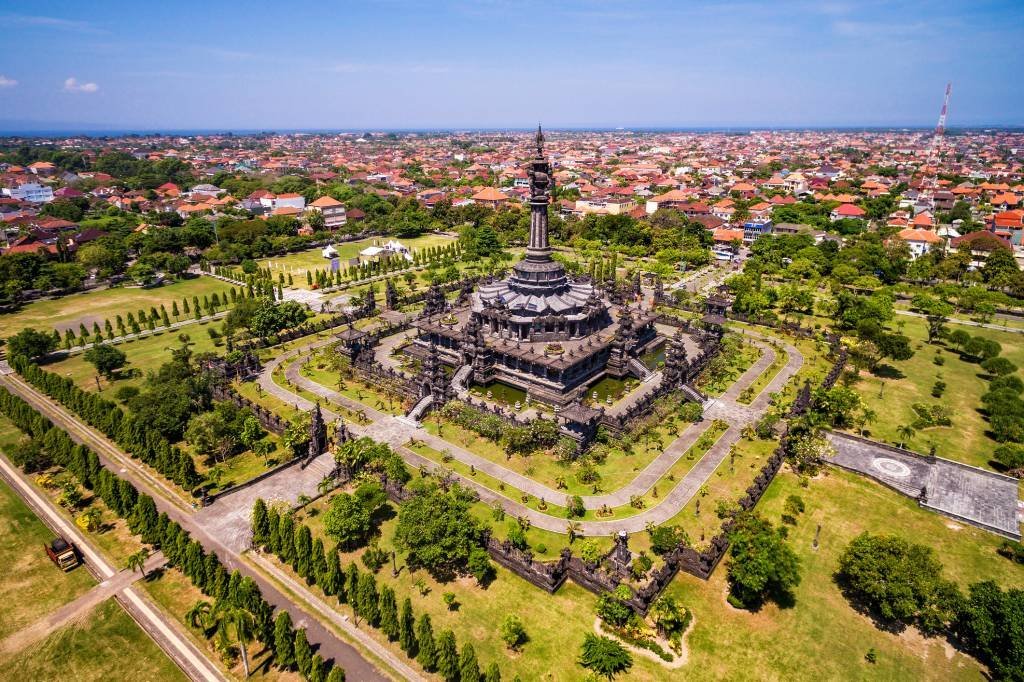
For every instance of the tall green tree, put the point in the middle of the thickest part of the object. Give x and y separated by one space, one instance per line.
761 564
388 609
447 656
407 629
260 523
284 641
604 656
366 599
303 652
427 650
469 668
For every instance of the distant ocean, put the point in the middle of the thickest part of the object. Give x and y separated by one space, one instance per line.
70 130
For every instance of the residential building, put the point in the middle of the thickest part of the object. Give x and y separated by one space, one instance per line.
332 210
33 192
920 241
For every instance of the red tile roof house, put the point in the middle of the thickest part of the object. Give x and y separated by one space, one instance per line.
1009 225
489 196
846 211
920 241
980 243
332 210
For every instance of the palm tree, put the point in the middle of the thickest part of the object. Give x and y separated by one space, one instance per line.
137 561
199 615
905 432
243 623
868 416
574 529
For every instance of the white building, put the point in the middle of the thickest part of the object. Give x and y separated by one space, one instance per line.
920 241
291 200
332 210
30 191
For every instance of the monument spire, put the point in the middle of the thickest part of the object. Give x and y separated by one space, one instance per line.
540 188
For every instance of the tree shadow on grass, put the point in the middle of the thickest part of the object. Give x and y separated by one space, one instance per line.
887 371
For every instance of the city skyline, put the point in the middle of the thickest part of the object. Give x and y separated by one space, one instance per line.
404 66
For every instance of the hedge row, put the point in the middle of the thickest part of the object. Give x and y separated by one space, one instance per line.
130 433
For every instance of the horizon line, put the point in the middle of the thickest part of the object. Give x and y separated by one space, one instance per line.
91 130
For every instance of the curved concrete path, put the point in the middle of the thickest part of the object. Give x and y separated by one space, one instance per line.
397 433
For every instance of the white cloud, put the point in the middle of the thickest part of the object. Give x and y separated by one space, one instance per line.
72 85
48 22
358 67
6 82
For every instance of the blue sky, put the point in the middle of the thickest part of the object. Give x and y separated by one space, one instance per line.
492 63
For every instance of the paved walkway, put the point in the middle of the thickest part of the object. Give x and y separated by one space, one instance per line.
166 632
144 334
968 323
221 540
398 433
976 496
79 607
229 516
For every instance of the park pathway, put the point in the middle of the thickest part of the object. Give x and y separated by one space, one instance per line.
967 323
166 632
399 433
81 606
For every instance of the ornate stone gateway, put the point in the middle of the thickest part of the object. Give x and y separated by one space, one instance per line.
540 330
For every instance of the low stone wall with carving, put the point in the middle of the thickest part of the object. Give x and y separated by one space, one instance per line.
268 419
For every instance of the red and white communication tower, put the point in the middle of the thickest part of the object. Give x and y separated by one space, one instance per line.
940 129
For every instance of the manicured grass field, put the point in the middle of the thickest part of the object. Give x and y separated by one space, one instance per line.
32 586
765 377
891 395
298 263
105 645
822 636
97 306
617 470
741 362
144 355
726 485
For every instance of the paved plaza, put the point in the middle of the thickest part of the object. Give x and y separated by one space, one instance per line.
981 498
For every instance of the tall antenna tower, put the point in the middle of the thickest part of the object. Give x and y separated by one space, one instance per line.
940 129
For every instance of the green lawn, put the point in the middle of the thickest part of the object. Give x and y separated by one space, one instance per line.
727 484
557 506
822 637
618 468
144 355
764 378
738 364
32 586
105 645
891 395
97 306
298 263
